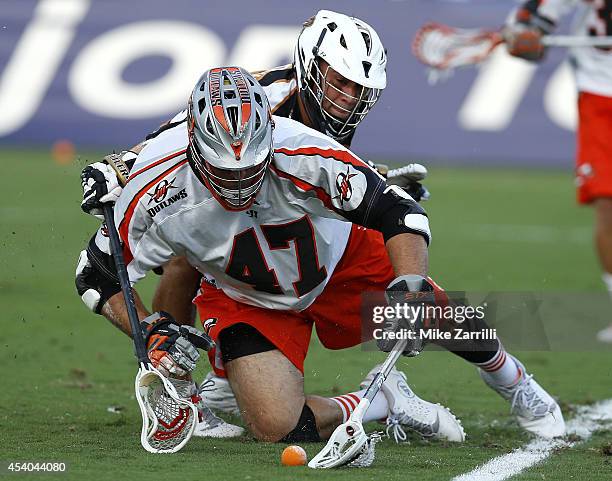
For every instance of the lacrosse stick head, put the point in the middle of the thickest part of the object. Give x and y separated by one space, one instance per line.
169 418
445 48
344 445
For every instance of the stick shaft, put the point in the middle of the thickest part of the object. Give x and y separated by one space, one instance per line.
385 369
378 380
576 41
124 282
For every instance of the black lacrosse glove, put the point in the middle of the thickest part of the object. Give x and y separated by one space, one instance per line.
417 191
100 186
415 292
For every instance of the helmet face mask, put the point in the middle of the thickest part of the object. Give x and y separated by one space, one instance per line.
342 103
230 135
341 71
235 189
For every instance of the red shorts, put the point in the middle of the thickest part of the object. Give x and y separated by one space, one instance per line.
336 313
594 160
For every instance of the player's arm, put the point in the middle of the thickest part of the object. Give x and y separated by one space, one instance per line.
176 289
115 311
405 229
408 254
103 182
170 346
98 286
179 281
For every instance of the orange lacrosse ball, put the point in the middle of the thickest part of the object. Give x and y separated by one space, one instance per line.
293 456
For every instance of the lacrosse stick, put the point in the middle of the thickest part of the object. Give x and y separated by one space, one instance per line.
349 444
168 416
445 48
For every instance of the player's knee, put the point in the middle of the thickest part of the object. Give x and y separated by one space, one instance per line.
287 429
305 430
271 427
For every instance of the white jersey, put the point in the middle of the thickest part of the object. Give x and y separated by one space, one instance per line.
281 252
592 66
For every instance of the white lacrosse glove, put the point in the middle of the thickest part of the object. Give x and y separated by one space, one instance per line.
100 186
409 178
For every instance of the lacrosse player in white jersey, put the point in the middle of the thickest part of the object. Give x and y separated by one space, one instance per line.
593 71
333 96
290 229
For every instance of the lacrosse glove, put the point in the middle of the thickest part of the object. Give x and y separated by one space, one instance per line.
172 348
100 186
102 182
409 178
525 41
523 35
415 292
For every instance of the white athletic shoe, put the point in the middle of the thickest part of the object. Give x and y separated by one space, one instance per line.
407 410
212 426
605 335
217 394
535 410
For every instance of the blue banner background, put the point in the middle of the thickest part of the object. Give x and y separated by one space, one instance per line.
412 120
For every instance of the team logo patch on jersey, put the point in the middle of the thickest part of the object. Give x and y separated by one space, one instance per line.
161 197
343 184
161 191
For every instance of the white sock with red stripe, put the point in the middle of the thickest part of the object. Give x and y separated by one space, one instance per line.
501 368
379 408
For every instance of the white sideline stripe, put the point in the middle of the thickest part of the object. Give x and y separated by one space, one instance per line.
587 420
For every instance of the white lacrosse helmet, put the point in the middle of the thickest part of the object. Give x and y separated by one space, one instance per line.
230 135
352 49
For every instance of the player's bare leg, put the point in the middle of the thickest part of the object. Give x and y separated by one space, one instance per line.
270 393
603 242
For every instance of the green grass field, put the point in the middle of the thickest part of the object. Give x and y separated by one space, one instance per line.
62 366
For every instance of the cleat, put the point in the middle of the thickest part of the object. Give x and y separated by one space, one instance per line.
535 410
408 411
212 426
217 394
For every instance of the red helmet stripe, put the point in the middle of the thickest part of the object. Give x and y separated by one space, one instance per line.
220 116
